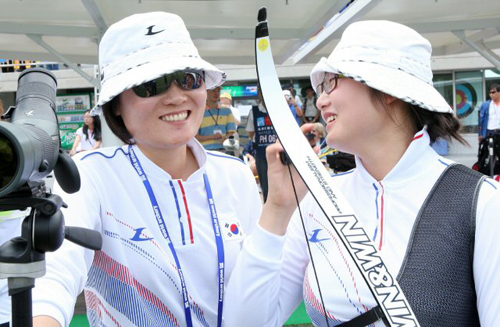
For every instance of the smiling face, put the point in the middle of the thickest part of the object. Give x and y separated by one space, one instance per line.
168 120
354 123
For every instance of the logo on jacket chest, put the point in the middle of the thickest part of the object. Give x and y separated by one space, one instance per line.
138 237
315 238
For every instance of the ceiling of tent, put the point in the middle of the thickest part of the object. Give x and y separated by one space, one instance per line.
223 31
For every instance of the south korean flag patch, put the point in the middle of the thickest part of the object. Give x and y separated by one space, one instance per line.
232 230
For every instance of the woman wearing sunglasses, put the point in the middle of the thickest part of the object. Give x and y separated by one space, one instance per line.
435 224
172 215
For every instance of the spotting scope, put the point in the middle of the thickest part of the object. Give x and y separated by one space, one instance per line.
29 142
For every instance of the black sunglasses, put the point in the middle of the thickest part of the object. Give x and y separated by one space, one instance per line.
329 83
493 92
186 79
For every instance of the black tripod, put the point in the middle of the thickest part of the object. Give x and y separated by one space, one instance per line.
488 155
22 259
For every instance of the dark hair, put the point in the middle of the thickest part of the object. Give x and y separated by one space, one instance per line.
115 122
289 86
495 86
97 128
439 124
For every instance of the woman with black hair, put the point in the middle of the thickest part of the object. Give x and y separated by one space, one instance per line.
89 136
434 222
173 216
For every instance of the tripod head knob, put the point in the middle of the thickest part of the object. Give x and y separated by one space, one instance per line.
48 232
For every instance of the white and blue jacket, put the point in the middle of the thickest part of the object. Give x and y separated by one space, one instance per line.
133 280
275 273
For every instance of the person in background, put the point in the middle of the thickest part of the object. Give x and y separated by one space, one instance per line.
311 112
172 215
88 137
489 115
248 155
226 101
297 102
296 110
218 123
435 223
261 132
319 133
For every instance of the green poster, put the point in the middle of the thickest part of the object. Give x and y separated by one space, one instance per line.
67 131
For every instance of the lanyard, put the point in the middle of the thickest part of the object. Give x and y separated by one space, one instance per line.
163 228
216 120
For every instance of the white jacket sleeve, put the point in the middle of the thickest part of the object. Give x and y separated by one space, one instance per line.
487 254
55 293
266 284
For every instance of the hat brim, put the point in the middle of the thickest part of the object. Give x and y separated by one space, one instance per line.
147 72
391 81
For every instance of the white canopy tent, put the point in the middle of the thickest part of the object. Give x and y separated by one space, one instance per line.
465 34
69 30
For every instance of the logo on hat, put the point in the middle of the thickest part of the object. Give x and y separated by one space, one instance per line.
143 55
150 30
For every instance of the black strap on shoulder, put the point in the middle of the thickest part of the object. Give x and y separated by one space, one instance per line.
369 317
456 175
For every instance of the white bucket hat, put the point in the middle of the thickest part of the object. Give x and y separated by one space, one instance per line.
386 56
143 47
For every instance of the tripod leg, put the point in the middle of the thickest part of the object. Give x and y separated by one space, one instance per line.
20 292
